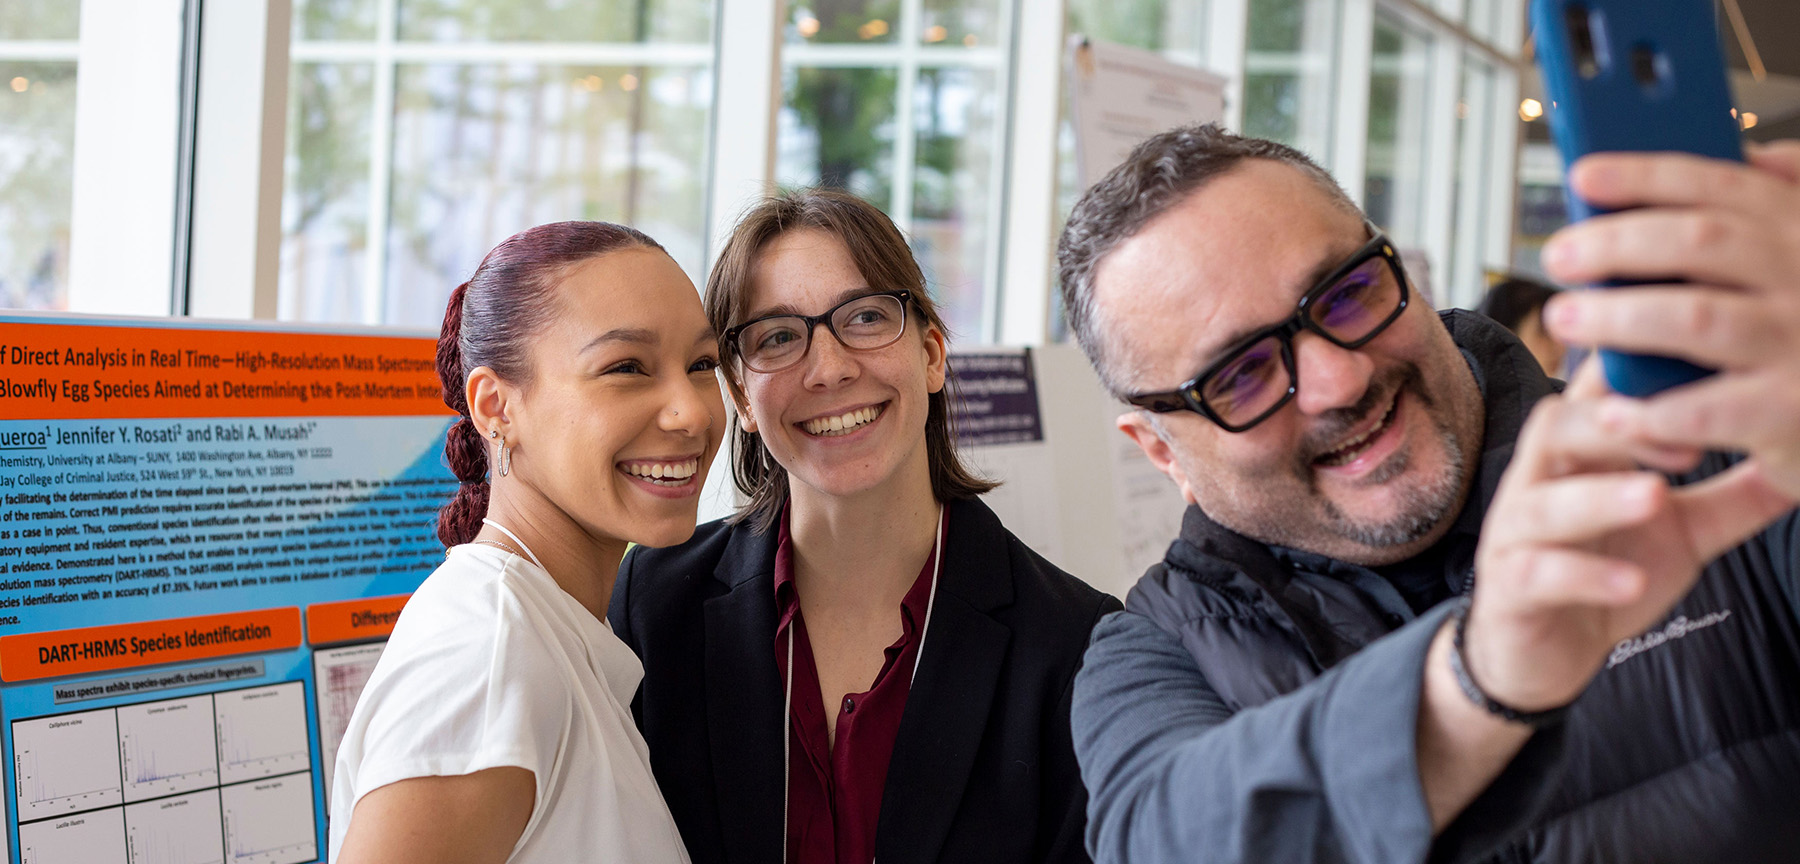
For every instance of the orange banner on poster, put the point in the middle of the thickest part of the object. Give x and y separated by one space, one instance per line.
60 371
29 656
353 620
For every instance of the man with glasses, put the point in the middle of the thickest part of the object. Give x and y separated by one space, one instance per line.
1408 553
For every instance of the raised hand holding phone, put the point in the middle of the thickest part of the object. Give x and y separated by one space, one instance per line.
1735 231
1635 75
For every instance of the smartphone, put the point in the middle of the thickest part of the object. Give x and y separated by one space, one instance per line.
1644 75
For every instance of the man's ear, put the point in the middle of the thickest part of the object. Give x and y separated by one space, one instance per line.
1143 433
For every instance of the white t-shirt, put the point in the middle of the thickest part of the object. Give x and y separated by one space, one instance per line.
492 664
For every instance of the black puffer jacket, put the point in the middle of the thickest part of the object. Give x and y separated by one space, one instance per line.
1686 747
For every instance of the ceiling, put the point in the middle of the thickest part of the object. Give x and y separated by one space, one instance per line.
1774 27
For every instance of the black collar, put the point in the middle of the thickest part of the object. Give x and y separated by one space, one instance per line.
972 555
945 716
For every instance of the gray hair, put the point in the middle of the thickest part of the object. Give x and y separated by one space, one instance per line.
1160 173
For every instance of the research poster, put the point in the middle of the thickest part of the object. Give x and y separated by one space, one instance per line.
1000 433
207 531
1119 95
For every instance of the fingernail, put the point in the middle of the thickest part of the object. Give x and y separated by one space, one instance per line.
1562 312
1642 492
1614 413
1623 583
1558 254
1592 169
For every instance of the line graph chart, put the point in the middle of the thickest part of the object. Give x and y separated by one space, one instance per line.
262 732
168 747
270 821
66 764
217 778
181 830
90 838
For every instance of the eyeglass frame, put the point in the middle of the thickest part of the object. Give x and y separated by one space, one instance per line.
1184 399
907 304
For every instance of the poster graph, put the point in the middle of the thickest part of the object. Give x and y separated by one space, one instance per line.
141 783
183 829
66 764
340 675
97 837
167 747
262 732
270 821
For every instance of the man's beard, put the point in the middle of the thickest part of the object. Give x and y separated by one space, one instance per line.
1422 506
1308 516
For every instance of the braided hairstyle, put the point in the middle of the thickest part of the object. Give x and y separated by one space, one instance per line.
490 321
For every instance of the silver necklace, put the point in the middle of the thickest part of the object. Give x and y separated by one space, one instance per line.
526 550
497 545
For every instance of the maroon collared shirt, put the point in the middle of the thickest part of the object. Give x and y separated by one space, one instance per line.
834 790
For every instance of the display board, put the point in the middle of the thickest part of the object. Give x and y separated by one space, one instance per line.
1119 95
206 531
1072 487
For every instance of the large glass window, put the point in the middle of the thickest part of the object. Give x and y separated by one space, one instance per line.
1289 67
904 103
1398 154
423 132
37 147
1176 29
1476 113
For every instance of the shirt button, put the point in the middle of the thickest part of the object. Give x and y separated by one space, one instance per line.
849 705
1394 620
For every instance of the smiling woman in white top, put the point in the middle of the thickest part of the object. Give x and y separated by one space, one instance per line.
497 725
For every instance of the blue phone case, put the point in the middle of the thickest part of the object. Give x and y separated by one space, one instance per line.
1687 109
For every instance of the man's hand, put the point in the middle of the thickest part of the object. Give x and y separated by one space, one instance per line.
1581 548
1731 230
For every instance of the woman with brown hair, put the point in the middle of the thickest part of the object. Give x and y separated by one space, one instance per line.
862 664
495 726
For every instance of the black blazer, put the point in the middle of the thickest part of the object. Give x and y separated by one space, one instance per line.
983 769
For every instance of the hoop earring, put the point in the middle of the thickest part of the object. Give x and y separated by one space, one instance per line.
505 451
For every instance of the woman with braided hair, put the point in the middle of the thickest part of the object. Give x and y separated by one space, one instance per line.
497 725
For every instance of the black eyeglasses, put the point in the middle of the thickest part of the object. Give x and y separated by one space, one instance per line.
1349 307
862 323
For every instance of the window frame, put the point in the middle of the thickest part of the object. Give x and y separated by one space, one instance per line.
748 55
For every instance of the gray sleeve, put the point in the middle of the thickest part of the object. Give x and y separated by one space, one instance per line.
1326 773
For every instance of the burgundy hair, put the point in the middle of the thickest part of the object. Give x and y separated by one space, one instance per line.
490 321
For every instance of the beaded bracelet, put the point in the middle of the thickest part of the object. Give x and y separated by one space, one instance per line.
1459 665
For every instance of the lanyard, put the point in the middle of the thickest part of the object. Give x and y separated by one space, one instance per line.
787 702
